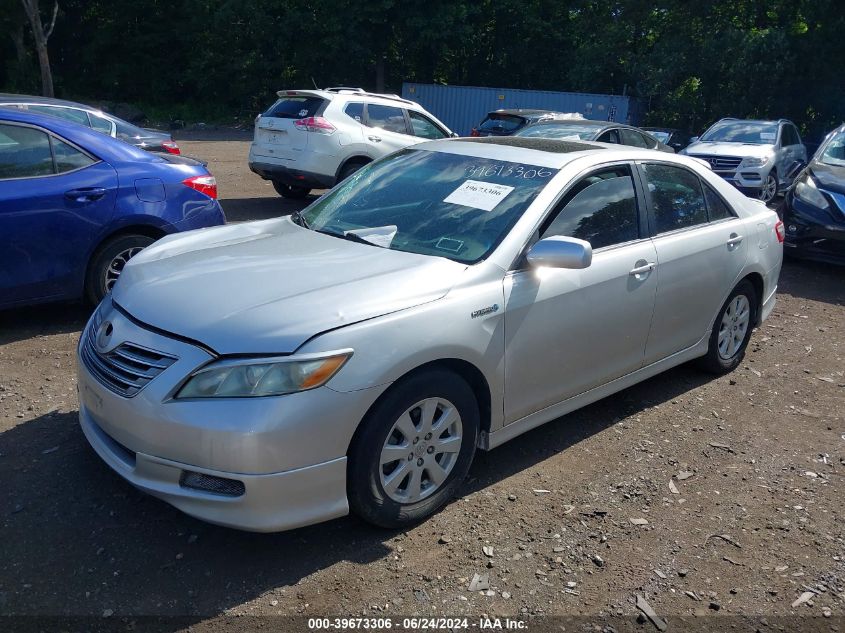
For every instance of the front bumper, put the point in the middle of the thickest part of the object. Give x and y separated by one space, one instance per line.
269 503
813 233
287 452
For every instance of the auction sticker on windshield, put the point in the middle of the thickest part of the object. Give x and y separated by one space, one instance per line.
479 195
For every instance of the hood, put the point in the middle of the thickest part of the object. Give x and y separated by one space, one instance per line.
830 177
729 149
267 287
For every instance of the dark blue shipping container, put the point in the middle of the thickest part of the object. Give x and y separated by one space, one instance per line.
463 107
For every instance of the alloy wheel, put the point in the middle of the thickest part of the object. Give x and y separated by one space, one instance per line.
117 264
735 322
769 189
421 450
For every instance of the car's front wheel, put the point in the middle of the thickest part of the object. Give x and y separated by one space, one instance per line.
108 262
413 450
770 187
732 330
289 191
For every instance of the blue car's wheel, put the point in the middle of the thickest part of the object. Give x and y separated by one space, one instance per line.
108 262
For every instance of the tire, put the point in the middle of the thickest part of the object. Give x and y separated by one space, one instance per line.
769 190
732 330
108 261
349 169
289 191
400 503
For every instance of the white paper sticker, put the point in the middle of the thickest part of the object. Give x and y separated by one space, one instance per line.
479 195
767 136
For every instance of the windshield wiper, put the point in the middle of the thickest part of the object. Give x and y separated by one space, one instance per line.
297 218
352 237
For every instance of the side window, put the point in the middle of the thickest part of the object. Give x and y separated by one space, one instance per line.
68 157
601 208
24 152
355 111
633 138
101 124
611 136
69 114
676 197
424 127
793 132
387 118
716 207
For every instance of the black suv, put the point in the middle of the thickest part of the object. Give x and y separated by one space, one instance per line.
506 122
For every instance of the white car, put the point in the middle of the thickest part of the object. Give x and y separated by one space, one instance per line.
313 139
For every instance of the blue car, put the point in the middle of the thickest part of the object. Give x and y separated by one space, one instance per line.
76 205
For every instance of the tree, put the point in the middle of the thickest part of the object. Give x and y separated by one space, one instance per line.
41 35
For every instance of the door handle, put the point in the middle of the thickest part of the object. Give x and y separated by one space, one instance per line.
375 139
85 194
640 270
734 239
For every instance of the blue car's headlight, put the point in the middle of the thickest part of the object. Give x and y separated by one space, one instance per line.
807 191
262 377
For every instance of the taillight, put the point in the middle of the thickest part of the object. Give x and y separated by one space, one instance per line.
474 132
170 147
779 231
204 184
315 124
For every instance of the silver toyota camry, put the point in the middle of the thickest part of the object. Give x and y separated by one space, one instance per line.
442 300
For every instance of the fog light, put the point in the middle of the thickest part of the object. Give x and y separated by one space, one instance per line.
210 483
792 228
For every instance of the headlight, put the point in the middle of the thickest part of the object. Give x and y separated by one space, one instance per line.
262 377
755 161
806 190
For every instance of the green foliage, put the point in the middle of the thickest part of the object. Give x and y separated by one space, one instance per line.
691 62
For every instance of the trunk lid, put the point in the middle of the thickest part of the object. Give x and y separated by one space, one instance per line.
276 135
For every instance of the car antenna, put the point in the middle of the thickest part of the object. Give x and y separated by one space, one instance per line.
315 84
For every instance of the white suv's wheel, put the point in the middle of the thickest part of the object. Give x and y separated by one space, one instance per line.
770 187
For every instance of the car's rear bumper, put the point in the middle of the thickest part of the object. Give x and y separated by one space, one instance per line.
290 176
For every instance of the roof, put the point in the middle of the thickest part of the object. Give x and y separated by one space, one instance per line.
554 146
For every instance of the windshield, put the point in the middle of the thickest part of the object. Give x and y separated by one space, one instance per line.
501 123
431 203
753 132
564 131
833 152
663 137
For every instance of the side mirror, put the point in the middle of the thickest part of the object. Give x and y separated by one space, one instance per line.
454 135
693 139
560 252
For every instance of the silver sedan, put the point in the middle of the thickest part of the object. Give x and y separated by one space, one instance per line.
442 300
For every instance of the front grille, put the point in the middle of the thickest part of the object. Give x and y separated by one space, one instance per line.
127 368
210 483
721 163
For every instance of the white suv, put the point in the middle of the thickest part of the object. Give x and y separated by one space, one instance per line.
313 139
759 158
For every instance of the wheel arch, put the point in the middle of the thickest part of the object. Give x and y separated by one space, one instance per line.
147 230
466 370
756 280
361 159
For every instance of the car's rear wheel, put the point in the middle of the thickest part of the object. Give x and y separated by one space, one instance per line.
108 262
413 450
732 330
770 187
289 191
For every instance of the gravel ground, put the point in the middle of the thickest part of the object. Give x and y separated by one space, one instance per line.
707 497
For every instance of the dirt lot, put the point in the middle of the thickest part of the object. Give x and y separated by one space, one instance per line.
708 497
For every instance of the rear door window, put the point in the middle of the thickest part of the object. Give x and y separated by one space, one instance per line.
355 111
611 136
676 198
68 157
295 107
424 127
68 114
633 138
386 118
24 152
